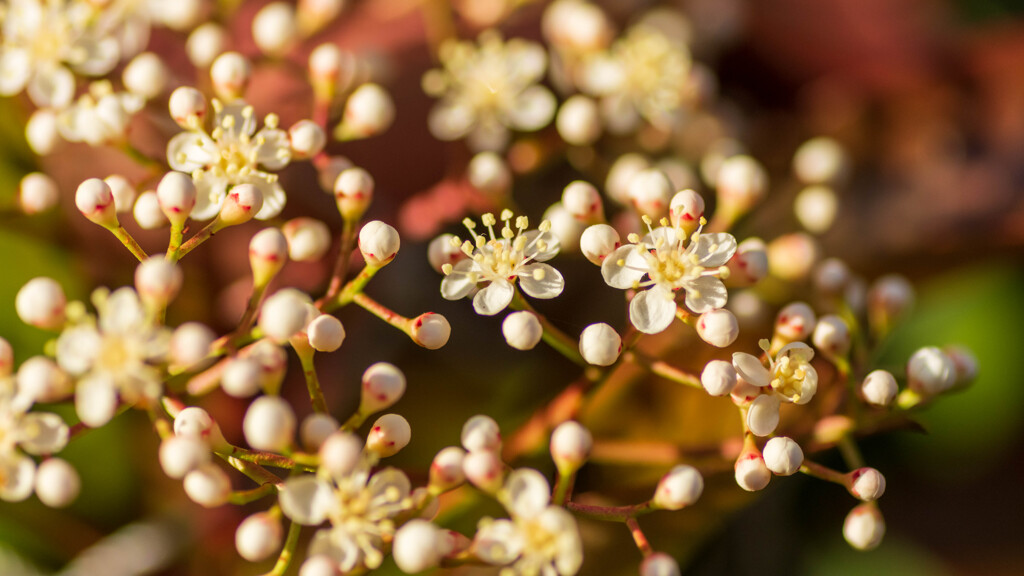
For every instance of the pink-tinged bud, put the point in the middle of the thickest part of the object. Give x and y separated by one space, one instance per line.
242 377
40 379
230 74
867 484
579 121
791 257
208 486
57 483
325 333
242 203
96 202
685 210
341 453
383 385
187 106
308 239
269 424
599 241
832 336
748 265
889 299
719 378
481 434
190 345
37 193
795 322
680 487
259 537
879 388
490 174
193 422
965 362
147 212
577 27
484 469
180 455
583 201
419 545
181 15
390 433
831 277
158 281
275 28
284 314
273 362
307 139
319 565
763 415
718 328
378 243
315 14
522 330
41 303
816 208
124 192
6 358
742 183
600 344
41 131
325 64
783 456
446 469
621 174
442 251
743 392
145 75
864 527
650 193
368 112
751 472
659 564
353 191
430 330
570 446
268 253
820 160
565 227
205 43
177 195
930 371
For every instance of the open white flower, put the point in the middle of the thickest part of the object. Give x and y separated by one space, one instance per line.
789 374
114 357
669 264
23 431
499 262
232 153
539 538
100 116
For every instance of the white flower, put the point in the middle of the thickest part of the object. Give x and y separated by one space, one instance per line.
232 153
499 262
539 538
99 117
113 356
31 432
789 374
670 263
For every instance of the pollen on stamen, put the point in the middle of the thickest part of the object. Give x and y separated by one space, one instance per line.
455 241
633 238
446 268
723 272
506 215
522 222
663 221
620 263
539 274
271 121
545 226
469 223
764 344
542 246
703 221
646 219
507 233
488 219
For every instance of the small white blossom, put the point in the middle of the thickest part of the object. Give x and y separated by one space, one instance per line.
22 431
789 374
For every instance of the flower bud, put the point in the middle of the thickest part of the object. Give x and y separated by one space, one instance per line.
325 333
40 379
158 280
522 330
930 372
242 377
325 65
177 195
368 112
180 15
484 470
599 241
148 213
620 176
565 227
230 74
600 344
783 456
965 362
819 160
390 433
275 28
577 27
816 208
315 14
879 388
681 487
353 191
441 251
791 257
795 322
431 330
864 527
889 299
308 239
446 469
6 358
193 422
383 385
748 265
258 537
583 201
123 191
205 43
319 565
867 484
340 453
831 276
489 173
763 415
208 486
718 327
570 446
378 243
37 193
240 205
268 253
307 139
145 75
269 424
718 378
742 183
180 455
57 483
187 106
481 434
685 210
579 121
659 564
96 202
419 545
650 193
41 131
40 303
284 314
273 362
751 472
743 392
832 336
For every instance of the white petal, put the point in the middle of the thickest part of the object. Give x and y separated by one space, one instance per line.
797 351
450 121
99 56
275 151
527 493
652 311
17 473
809 386
390 478
494 298
624 267
498 542
763 416
533 110
550 285
714 250
569 555
551 242
527 59
273 199
77 349
190 151
15 70
43 433
210 194
123 313
306 500
488 135
705 294
95 401
52 86
458 284
750 369
337 545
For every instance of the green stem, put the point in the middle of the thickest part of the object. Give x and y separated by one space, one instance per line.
247 496
348 293
265 459
668 372
284 560
824 473
316 395
851 454
383 312
200 237
121 234
255 472
348 236
174 244
560 341
563 486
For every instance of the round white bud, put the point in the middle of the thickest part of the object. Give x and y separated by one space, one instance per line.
930 371
268 253
686 209
489 173
242 377
194 422
522 330
269 424
719 378
819 160
621 174
570 445
275 28
600 344
864 527
353 191
481 434
390 433
158 280
383 385
598 241
177 195
258 537
763 415
308 239
795 322
741 182
751 472
832 336
718 327
431 330
579 120
179 15
368 111
6 358
316 429
441 251
749 264
446 469
41 131
483 469
791 257
583 201
419 545
186 103
273 362
650 192
831 276
867 484
230 74
190 344
889 298
319 565
40 303
879 388
816 208
96 202
284 314
325 62
680 487
57 483
180 455
565 227
340 453
577 26
145 75
965 362
123 191
147 212
378 243
208 485
240 205
659 564
205 43
37 193
307 139
325 333
783 456
42 380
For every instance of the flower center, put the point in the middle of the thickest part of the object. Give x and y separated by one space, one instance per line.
788 377
115 352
